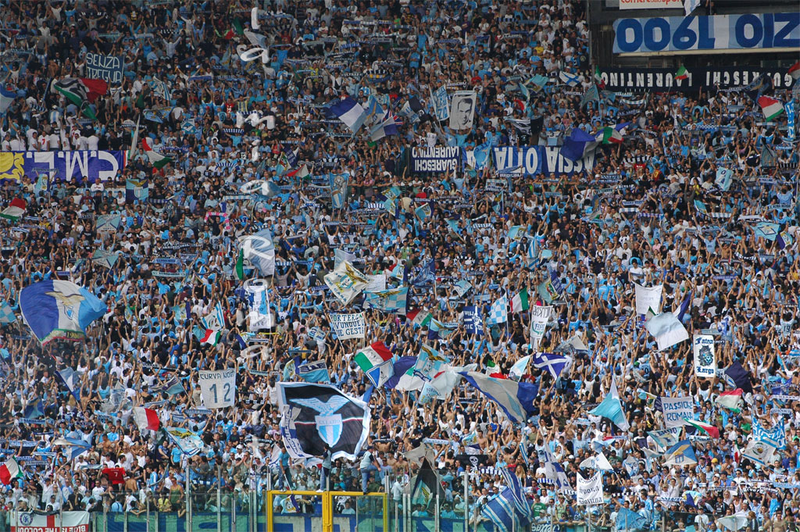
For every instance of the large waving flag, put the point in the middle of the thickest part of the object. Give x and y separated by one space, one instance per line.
702 426
740 377
578 145
319 414
376 362
349 112
81 91
73 447
611 408
771 107
9 471
59 310
514 398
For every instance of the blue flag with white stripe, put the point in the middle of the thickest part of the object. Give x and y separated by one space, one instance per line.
514 398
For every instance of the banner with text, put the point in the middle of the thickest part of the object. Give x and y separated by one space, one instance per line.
535 160
437 159
676 409
65 165
705 361
348 326
763 31
663 79
218 388
106 67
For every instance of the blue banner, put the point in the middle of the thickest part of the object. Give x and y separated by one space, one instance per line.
105 67
534 160
719 32
66 165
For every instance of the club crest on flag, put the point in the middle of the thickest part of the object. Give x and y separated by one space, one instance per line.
329 424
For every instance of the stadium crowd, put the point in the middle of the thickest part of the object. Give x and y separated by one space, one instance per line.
699 196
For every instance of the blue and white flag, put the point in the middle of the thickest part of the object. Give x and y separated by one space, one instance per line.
570 80
498 313
578 145
374 110
441 104
680 454
259 249
473 321
349 112
387 126
314 372
508 510
73 447
611 408
776 436
666 438
59 310
439 330
514 398
790 118
555 473
553 363
392 300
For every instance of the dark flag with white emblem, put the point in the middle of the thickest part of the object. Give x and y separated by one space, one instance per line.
316 414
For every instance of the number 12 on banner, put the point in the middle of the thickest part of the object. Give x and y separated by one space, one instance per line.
218 388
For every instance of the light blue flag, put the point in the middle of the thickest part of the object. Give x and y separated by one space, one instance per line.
724 178
766 230
392 300
630 520
611 408
314 372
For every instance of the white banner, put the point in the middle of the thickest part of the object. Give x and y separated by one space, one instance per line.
667 329
462 110
705 360
218 388
590 491
648 298
676 409
375 283
540 315
64 521
348 326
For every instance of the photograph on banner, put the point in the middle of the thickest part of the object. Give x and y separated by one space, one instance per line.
462 110
705 360
218 388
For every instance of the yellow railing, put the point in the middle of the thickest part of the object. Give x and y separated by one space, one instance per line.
327 505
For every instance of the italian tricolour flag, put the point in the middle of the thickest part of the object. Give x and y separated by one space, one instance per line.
770 106
146 418
520 302
730 400
710 430
9 471
157 160
15 210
